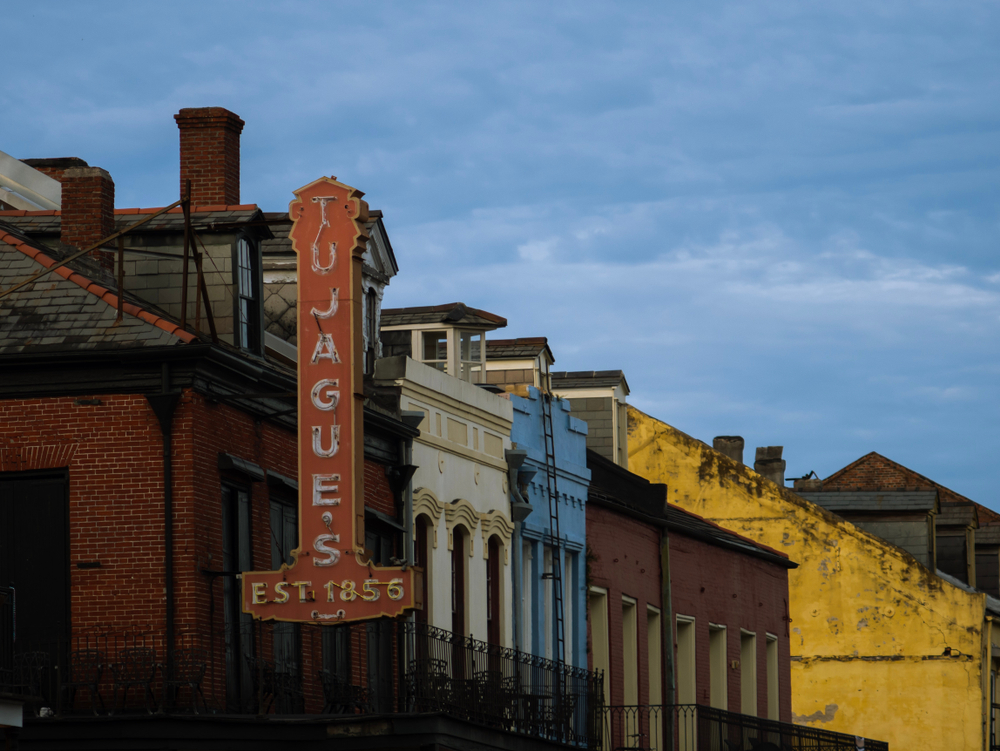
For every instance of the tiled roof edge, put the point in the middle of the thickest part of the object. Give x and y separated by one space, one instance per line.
175 210
95 289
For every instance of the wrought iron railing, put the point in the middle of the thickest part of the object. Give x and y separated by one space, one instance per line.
691 727
7 639
379 667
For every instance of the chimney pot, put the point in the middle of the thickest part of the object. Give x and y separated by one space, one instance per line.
210 154
769 463
730 445
88 210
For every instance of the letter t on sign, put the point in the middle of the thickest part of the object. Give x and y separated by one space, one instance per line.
329 237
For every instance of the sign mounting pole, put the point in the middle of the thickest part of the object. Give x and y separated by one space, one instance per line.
330 581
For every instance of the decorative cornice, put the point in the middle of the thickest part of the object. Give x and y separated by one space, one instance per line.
460 511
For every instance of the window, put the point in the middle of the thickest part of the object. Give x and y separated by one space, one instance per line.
287 636
434 349
493 601
248 309
630 652
654 639
748 673
422 560
371 330
773 698
599 637
687 682
470 349
654 657
686 673
718 677
458 558
237 555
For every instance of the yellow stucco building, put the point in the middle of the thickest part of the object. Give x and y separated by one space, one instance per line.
881 647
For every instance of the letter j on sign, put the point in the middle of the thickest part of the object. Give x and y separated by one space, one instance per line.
330 580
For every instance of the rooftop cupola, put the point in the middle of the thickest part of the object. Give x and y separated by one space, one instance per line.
451 338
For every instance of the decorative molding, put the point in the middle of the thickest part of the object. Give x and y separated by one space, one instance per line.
460 511
425 502
494 522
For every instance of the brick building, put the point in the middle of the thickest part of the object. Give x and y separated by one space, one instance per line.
148 456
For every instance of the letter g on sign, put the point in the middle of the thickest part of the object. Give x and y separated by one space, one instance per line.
325 395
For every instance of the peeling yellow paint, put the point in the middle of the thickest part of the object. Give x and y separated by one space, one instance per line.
889 678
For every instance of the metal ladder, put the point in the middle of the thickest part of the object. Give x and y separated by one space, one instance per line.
555 534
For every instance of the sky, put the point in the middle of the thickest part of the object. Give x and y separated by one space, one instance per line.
779 219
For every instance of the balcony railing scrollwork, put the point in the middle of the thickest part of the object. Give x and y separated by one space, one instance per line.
378 667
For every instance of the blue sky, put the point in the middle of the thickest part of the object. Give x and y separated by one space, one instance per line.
780 219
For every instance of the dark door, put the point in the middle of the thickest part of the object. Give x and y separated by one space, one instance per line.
34 559
379 632
287 636
237 555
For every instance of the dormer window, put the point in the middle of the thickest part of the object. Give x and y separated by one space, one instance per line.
248 309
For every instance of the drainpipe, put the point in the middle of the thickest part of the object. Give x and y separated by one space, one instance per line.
667 623
163 406
519 510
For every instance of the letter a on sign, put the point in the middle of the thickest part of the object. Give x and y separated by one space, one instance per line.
330 580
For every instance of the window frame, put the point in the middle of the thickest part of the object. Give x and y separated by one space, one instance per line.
252 340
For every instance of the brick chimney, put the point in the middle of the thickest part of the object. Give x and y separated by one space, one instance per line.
88 210
730 445
55 168
210 154
769 463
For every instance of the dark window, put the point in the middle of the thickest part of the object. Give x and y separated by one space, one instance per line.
493 592
248 320
421 560
287 636
237 555
34 559
458 556
371 329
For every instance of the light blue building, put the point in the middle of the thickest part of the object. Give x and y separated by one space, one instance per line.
534 596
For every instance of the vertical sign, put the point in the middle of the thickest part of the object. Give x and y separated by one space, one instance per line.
330 580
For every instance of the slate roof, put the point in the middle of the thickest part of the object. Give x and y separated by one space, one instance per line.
66 310
875 500
587 379
455 312
523 348
35 223
958 514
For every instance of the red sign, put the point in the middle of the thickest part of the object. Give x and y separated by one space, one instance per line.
331 579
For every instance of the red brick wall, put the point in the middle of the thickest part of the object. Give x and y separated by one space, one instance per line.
716 585
210 154
113 452
378 492
625 560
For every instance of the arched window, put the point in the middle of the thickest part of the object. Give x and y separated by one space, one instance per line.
459 556
422 559
493 592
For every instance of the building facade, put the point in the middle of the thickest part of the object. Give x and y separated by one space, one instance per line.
880 645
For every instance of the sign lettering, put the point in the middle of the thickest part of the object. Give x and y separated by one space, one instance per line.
330 579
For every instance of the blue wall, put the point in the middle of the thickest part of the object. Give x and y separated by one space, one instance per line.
573 479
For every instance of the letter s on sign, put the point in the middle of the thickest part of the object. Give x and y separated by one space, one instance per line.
321 547
281 592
